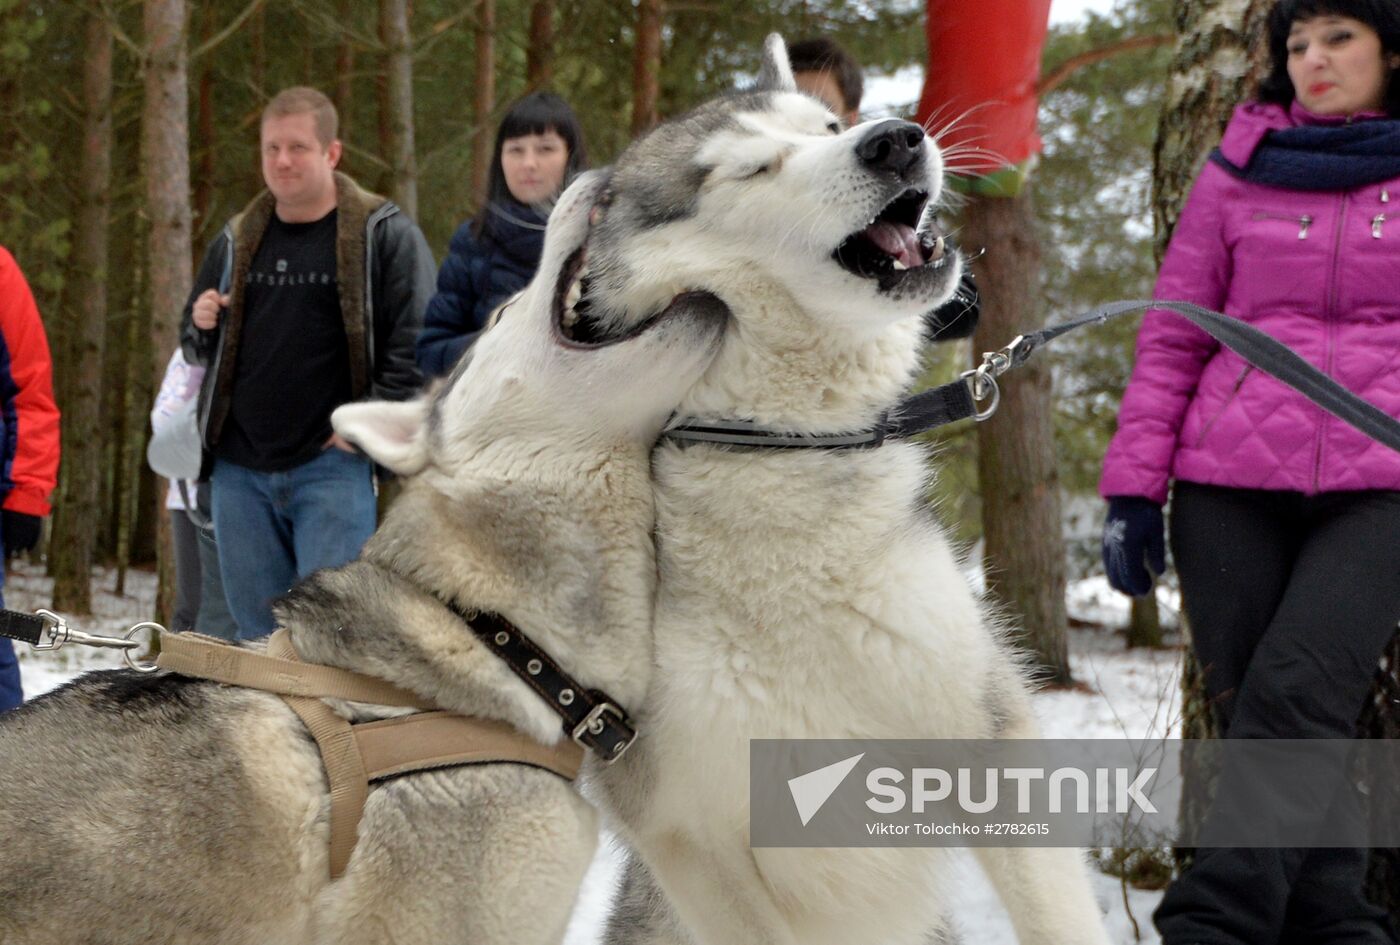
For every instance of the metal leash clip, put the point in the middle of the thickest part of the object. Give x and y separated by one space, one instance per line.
60 634
982 380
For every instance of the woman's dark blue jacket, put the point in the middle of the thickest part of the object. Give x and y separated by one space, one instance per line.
479 273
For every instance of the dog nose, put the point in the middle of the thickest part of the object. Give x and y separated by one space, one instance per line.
892 146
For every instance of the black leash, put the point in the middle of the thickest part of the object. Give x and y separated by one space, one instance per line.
964 397
26 628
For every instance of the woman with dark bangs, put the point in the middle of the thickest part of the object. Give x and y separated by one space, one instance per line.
1285 524
539 149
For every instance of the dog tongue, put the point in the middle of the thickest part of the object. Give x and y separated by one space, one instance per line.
897 240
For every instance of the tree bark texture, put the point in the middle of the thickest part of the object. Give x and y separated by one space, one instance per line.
76 519
344 79
484 74
539 51
165 139
1016 465
646 66
398 68
205 141
1221 54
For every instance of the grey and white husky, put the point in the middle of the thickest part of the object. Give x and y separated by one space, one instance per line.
802 594
161 809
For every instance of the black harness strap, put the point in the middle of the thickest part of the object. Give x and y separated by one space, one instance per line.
959 400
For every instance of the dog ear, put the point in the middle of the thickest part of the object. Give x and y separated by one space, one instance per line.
393 433
776 72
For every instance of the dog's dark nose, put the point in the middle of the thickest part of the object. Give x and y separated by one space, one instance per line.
892 146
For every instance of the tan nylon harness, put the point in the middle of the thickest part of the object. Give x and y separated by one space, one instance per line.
354 754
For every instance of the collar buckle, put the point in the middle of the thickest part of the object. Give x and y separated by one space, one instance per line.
586 733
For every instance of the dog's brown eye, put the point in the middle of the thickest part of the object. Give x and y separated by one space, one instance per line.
834 127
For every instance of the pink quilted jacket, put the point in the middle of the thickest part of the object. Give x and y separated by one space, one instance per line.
1318 271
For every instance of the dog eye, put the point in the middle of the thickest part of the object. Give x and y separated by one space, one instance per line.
834 127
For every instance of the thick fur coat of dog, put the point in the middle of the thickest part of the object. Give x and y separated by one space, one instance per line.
161 809
809 593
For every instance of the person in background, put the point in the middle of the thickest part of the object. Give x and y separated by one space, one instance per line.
29 440
539 148
326 296
1284 521
823 69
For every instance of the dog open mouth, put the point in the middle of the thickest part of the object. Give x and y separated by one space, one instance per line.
579 324
891 245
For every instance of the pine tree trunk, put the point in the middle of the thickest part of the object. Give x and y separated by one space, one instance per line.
1016 463
204 141
166 161
76 519
398 70
484 73
539 50
344 80
646 66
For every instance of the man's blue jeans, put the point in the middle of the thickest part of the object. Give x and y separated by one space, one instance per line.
273 528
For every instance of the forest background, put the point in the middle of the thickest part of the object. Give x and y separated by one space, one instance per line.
102 101
130 135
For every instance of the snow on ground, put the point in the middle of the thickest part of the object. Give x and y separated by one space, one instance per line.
1123 694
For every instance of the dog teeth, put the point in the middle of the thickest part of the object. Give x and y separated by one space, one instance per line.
899 266
574 294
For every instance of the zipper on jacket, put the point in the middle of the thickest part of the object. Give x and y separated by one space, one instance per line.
1304 222
1376 225
1328 326
1229 399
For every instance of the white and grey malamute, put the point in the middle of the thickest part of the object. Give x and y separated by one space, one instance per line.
809 593
137 810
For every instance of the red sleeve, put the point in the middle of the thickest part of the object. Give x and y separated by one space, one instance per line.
31 460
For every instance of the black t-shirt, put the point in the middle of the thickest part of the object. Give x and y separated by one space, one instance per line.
293 361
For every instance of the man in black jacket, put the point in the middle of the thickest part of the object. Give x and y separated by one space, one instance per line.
310 298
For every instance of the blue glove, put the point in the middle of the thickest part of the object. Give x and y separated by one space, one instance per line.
1133 542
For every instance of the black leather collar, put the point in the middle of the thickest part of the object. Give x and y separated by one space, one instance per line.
591 717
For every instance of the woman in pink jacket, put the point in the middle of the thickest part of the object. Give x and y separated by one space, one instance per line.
1285 525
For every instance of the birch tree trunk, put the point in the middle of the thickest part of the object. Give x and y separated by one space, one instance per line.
483 137
1024 556
165 158
539 50
398 68
646 66
76 519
